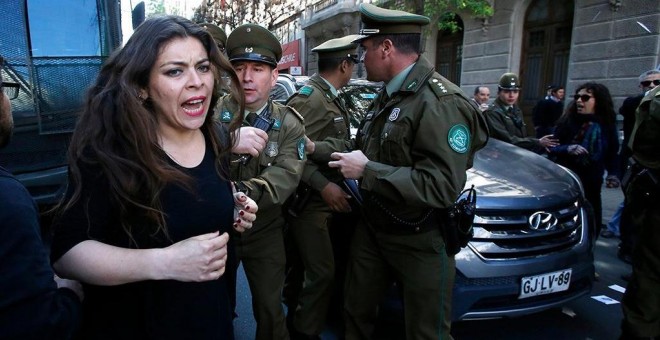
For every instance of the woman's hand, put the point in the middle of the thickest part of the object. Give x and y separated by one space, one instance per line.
199 258
245 212
576 149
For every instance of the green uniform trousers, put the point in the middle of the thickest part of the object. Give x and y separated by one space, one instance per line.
309 233
418 262
263 257
641 302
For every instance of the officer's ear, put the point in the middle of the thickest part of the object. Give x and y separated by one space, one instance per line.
345 65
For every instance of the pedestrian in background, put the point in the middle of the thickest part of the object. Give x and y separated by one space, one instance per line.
481 97
321 188
505 118
641 301
588 142
547 111
271 177
34 304
416 142
145 221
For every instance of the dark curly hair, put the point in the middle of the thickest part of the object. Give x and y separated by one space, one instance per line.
604 108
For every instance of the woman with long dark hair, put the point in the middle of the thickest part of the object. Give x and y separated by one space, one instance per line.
144 223
589 141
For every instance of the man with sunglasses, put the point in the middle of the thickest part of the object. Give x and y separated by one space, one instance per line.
505 119
325 116
647 82
34 304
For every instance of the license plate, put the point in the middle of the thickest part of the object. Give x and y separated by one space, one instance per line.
545 283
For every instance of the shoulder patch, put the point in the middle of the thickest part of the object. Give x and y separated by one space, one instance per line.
301 148
459 138
306 90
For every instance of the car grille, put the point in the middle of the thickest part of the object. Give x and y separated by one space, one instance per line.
499 235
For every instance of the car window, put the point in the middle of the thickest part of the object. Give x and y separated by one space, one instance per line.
357 98
68 39
279 93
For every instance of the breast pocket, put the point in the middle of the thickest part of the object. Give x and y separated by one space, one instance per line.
395 144
339 127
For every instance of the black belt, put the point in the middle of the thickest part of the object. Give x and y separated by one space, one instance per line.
383 219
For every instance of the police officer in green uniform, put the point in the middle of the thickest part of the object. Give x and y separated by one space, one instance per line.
218 35
505 119
270 178
325 116
641 302
416 142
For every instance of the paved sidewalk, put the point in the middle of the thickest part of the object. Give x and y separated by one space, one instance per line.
611 198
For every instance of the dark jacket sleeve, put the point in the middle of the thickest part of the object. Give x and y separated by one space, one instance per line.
31 305
500 127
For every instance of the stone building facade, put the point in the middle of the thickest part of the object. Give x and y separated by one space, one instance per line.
546 42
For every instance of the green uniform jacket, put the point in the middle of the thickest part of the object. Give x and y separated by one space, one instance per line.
420 143
509 127
645 138
325 116
273 176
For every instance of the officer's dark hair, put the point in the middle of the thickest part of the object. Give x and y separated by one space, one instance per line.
407 43
117 129
330 64
476 89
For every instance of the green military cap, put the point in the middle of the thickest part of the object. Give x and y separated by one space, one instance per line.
217 33
376 20
338 48
509 81
251 42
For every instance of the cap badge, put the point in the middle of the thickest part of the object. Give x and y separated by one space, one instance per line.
248 30
249 49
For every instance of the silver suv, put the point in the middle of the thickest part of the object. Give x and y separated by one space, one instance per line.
533 232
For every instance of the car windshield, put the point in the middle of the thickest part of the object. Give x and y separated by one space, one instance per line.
357 96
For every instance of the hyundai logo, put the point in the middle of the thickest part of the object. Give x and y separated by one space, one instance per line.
542 220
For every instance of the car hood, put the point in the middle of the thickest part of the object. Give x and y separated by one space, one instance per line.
507 176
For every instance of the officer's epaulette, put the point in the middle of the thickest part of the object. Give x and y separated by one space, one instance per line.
439 87
296 113
306 91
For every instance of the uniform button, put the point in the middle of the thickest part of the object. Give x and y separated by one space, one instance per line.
416 228
269 164
385 135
